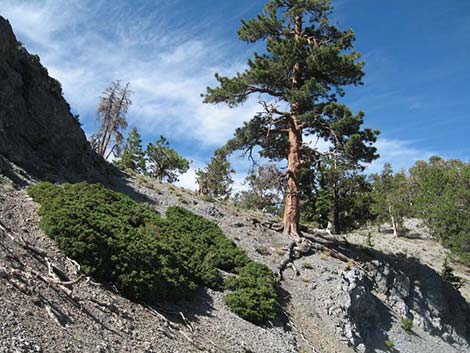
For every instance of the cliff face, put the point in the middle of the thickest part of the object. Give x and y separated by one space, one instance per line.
37 130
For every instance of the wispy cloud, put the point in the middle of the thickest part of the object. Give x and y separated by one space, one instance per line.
401 154
86 48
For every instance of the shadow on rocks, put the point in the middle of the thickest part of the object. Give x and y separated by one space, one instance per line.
413 290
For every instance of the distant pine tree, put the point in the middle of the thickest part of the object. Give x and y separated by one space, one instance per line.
215 180
164 161
448 274
132 156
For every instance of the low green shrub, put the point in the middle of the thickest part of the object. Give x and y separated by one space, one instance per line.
201 245
407 324
390 345
254 296
117 240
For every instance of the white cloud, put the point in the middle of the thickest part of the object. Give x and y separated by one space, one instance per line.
400 153
188 179
317 143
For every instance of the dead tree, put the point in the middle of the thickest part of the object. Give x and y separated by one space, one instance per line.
111 116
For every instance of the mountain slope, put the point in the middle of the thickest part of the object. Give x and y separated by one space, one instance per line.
331 306
343 297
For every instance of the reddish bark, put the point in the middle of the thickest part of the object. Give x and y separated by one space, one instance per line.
292 202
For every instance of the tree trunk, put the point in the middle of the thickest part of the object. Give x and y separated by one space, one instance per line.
393 221
335 211
336 225
292 203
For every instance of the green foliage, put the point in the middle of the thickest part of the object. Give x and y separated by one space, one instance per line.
117 240
215 180
392 198
265 187
448 275
190 230
407 324
254 296
390 345
164 161
437 191
132 156
335 193
330 58
441 192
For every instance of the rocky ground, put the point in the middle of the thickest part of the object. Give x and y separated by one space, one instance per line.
353 302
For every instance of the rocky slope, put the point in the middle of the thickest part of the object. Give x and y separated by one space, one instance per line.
332 305
38 133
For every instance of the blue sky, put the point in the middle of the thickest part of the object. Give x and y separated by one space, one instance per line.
417 84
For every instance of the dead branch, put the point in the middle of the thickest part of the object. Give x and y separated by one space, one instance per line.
55 314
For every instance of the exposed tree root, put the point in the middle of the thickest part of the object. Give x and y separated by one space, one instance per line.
302 245
307 243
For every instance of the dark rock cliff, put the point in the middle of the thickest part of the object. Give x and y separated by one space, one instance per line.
38 133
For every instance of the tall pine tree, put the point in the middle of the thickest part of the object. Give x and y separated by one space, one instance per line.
299 78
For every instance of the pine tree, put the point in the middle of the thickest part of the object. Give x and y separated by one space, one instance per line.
265 185
391 198
448 275
164 161
132 156
299 78
111 115
215 180
343 195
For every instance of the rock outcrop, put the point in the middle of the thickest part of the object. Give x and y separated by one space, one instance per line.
38 133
